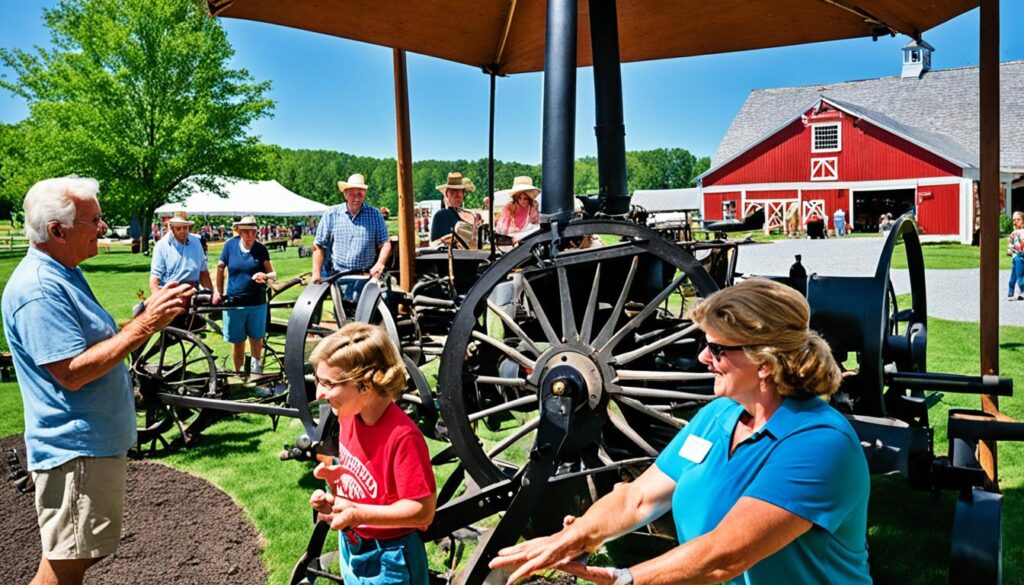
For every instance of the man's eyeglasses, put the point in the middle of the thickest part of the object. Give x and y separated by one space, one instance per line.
96 222
718 350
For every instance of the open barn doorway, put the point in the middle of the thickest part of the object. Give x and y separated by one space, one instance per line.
868 206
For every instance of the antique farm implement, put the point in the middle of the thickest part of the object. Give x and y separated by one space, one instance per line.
180 388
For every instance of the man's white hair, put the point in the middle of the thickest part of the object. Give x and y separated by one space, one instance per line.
53 200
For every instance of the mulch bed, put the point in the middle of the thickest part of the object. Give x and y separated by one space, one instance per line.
178 529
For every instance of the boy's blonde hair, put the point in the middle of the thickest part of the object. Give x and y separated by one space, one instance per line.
366 355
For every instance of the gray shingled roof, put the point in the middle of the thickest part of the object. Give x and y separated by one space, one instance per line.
942 102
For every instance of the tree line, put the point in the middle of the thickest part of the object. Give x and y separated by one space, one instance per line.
315 173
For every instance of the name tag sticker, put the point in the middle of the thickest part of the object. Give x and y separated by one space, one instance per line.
695 449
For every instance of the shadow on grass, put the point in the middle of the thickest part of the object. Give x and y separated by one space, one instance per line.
910 533
223 445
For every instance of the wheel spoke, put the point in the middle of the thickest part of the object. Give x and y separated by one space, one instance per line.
508 441
623 427
504 407
516 329
643 315
569 331
636 392
498 381
656 376
644 409
613 320
549 331
642 351
588 314
513 353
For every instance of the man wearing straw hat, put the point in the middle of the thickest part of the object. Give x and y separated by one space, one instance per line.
179 258
445 220
354 234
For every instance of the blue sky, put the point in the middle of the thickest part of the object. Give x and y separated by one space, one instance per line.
337 94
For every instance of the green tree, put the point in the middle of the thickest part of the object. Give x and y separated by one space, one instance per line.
138 94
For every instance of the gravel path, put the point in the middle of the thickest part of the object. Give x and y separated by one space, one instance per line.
952 294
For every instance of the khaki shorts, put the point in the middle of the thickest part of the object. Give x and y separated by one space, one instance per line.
80 506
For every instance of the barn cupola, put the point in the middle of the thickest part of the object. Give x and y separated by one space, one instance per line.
917 59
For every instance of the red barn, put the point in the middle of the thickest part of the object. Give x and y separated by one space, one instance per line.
891 145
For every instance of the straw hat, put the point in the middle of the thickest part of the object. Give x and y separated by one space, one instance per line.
246 223
456 181
356 181
179 218
521 185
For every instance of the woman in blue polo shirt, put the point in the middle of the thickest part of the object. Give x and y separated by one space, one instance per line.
767 484
249 267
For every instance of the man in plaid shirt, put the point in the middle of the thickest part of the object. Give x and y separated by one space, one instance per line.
354 234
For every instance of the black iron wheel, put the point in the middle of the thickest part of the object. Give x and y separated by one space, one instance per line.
606 312
173 362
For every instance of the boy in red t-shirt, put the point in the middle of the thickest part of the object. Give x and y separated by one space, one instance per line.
382 488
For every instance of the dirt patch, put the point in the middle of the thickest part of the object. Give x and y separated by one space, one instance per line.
178 529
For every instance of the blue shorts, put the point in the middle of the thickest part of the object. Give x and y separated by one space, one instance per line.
242 322
399 561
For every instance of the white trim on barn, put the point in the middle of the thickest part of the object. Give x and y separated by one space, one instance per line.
859 185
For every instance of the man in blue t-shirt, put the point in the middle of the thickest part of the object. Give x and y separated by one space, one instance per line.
355 235
69 357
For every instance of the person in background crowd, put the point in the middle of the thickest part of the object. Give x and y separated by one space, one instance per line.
354 235
767 484
443 222
1015 249
249 269
70 360
382 490
839 221
179 258
522 211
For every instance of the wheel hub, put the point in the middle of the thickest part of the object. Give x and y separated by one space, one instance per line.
577 359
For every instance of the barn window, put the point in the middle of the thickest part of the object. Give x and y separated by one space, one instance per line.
825 169
826 137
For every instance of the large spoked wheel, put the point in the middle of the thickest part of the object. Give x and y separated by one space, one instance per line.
173 362
611 313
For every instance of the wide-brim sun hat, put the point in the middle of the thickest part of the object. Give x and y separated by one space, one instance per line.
246 223
355 181
523 185
179 218
457 182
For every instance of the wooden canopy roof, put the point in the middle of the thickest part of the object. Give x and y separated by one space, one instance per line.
509 34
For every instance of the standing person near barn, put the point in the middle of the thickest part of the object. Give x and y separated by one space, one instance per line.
70 361
382 489
351 238
1015 250
839 221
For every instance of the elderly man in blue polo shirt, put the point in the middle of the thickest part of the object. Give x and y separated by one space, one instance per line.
354 234
70 361
179 258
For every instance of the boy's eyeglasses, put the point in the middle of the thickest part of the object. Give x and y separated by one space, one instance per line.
330 384
718 350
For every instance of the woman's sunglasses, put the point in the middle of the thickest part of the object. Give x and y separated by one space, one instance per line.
717 349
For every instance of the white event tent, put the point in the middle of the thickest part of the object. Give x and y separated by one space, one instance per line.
259 198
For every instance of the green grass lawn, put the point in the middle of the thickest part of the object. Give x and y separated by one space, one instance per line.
909 531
